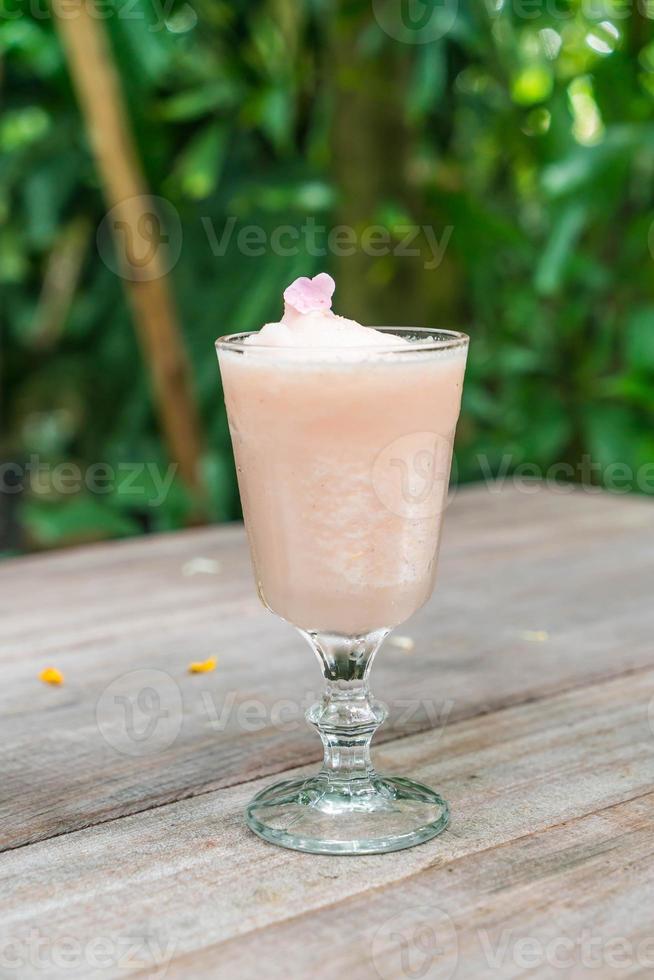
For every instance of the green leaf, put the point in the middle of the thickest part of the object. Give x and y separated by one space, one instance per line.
13 260
141 40
82 518
551 269
611 434
639 339
197 102
533 84
585 167
218 473
22 127
428 81
201 163
275 114
548 431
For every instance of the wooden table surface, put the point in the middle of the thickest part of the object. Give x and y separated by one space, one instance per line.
522 692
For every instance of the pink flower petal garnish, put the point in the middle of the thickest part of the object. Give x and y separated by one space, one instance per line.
305 295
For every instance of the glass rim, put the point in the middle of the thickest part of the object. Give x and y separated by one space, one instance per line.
435 339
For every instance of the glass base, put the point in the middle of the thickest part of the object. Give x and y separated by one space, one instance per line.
326 816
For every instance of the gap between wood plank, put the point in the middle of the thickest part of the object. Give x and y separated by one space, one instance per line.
509 778
388 743
385 887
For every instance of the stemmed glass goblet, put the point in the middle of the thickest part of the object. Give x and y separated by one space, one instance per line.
343 460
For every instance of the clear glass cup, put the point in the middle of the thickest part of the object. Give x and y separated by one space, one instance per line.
343 459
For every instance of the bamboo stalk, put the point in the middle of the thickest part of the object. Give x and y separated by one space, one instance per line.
131 220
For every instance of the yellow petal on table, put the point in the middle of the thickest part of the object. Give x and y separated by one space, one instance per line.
50 675
202 666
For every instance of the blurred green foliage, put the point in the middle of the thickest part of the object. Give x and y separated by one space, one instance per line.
527 128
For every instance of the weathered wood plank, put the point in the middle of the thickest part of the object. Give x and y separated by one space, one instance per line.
190 878
572 901
495 633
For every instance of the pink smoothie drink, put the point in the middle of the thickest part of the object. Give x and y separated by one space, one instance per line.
342 436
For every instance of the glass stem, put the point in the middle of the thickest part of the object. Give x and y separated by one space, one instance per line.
347 716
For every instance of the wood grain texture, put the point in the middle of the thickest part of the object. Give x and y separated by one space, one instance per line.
551 835
571 901
538 593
